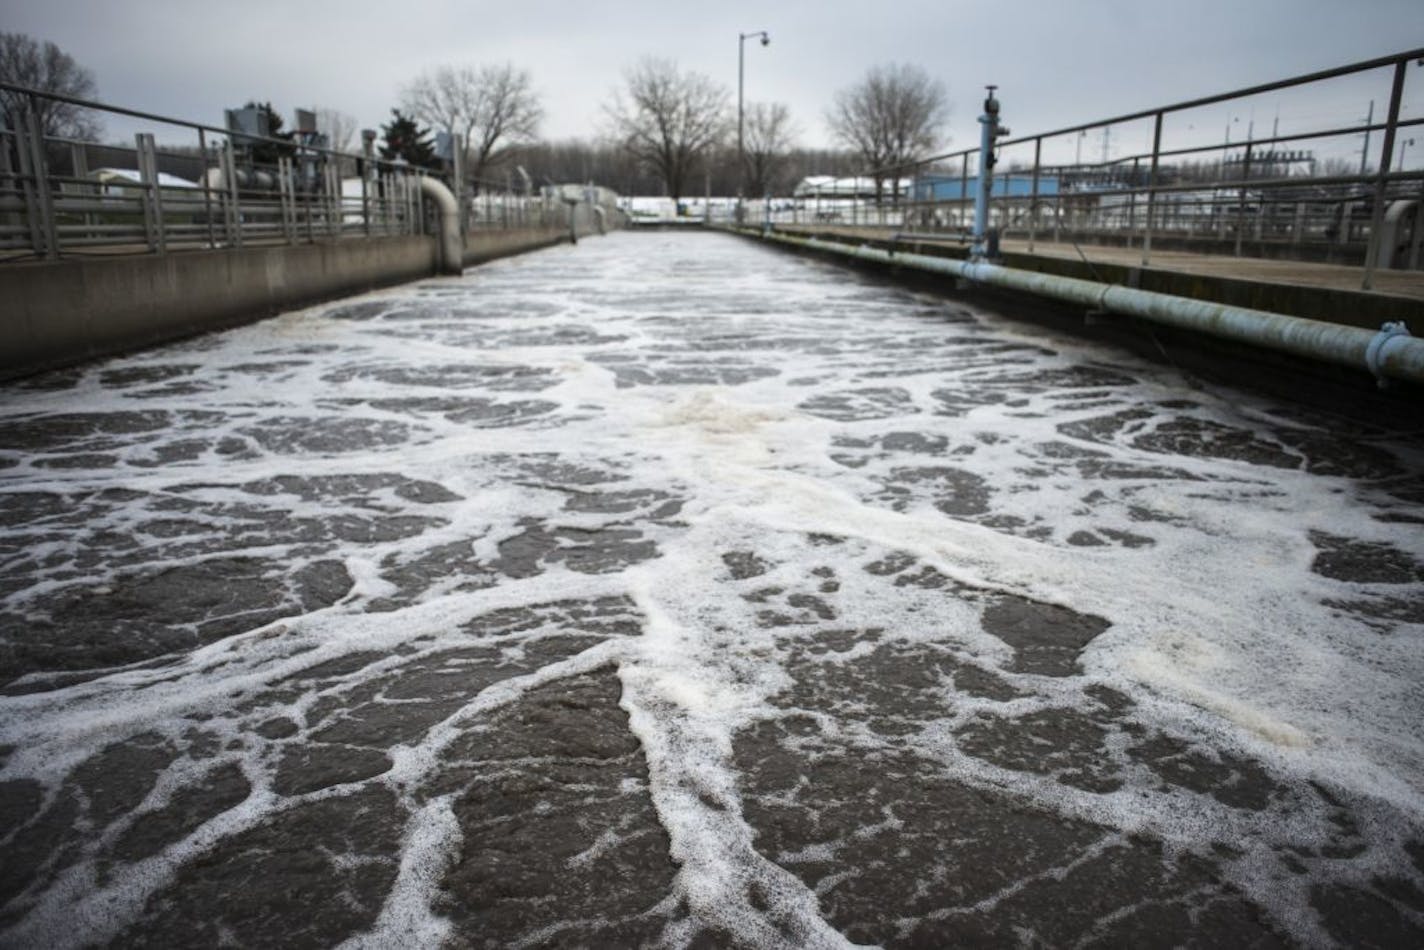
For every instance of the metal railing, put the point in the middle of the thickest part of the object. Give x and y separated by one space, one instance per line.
1294 193
209 187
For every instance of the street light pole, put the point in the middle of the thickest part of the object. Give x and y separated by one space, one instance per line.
741 145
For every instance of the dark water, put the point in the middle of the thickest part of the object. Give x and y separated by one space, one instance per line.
669 590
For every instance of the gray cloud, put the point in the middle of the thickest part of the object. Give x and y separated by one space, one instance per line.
1057 63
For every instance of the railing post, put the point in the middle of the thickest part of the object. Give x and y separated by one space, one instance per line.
1417 243
1033 198
152 195
38 202
1152 191
309 202
1241 198
1132 202
368 167
9 183
335 200
285 198
79 170
963 192
1372 251
457 178
232 207
207 196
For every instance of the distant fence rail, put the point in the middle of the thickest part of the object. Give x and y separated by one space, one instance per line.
210 187
1314 189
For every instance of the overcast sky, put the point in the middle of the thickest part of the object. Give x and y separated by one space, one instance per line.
1057 62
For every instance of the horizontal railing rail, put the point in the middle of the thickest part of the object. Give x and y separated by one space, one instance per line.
1315 192
210 187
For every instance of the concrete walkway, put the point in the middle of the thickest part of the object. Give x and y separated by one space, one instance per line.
1398 283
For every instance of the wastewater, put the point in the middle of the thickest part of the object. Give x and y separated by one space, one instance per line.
670 590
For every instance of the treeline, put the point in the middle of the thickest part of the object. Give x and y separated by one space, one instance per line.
665 130
609 164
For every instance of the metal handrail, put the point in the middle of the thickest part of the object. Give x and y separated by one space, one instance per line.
1241 191
48 211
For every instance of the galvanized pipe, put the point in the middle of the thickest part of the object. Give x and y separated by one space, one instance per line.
452 247
1402 359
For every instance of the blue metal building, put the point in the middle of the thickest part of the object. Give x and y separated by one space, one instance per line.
954 188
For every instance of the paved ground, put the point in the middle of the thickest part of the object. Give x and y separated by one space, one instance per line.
670 590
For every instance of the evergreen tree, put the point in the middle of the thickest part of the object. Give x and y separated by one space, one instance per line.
267 153
403 138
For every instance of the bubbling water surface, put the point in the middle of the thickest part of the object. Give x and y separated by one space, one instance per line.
668 590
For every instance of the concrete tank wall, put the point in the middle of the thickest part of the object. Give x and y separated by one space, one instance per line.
55 313
481 246
61 312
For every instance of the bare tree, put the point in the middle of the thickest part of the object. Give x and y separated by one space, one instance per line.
766 142
25 62
446 99
668 119
338 127
481 109
892 118
509 111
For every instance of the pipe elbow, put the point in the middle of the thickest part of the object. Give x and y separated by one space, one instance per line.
452 247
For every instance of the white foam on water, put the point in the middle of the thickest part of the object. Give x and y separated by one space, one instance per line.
777 402
432 840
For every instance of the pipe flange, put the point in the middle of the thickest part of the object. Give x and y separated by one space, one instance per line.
1377 352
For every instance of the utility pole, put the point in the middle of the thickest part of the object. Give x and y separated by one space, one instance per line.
1365 152
741 147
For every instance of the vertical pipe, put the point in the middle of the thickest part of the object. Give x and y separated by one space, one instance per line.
981 189
1152 191
988 125
1373 250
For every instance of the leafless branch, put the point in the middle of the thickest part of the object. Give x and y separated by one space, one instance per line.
46 67
668 119
892 117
